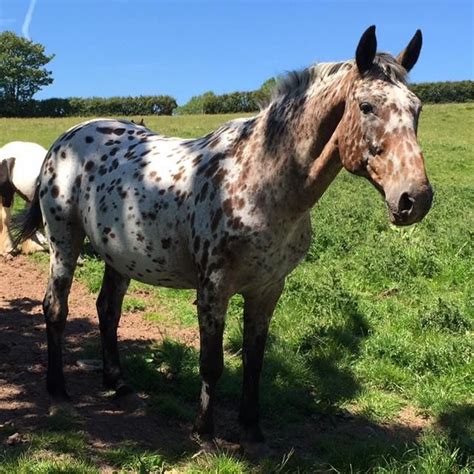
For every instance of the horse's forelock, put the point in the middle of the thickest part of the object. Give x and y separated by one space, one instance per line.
386 66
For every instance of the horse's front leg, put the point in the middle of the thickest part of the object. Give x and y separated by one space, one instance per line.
212 307
109 308
258 310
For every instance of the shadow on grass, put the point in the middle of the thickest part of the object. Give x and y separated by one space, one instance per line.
458 424
167 372
88 250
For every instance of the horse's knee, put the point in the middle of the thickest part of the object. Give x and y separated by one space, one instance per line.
55 301
55 316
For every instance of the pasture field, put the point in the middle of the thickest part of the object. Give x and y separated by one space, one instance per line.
369 365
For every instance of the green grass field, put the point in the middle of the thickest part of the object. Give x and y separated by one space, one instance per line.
375 326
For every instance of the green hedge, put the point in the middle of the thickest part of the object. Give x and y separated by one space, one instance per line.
234 102
94 106
443 92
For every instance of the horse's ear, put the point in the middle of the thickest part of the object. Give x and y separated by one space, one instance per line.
3 172
7 190
6 168
366 49
409 56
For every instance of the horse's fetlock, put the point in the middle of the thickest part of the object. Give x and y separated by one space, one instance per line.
211 371
61 284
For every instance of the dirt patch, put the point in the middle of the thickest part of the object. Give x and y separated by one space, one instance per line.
23 398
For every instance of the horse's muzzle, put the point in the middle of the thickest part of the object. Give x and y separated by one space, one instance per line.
410 206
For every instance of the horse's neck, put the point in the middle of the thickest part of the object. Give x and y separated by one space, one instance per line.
299 157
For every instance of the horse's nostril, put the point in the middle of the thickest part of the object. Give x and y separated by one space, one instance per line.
405 205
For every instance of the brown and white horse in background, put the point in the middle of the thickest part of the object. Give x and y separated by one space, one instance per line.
227 213
20 164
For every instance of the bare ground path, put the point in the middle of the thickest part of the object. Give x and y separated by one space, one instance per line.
105 421
23 398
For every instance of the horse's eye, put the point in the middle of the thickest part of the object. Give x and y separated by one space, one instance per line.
366 107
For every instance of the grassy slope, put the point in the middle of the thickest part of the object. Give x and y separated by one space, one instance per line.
377 320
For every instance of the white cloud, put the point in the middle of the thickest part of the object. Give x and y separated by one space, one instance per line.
28 17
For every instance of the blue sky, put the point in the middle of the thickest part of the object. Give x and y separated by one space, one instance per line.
184 48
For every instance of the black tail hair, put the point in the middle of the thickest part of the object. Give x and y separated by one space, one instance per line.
26 223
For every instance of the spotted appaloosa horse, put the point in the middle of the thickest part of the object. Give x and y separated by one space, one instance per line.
20 164
227 213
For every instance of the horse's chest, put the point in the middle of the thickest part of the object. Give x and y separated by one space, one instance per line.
269 255
281 252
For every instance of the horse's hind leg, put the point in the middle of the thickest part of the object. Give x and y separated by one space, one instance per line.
64 250
258 310
109 307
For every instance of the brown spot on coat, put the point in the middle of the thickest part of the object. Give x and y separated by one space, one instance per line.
177 176
55 191
227 207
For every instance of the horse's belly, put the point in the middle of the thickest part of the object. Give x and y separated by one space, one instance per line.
167 270
146 258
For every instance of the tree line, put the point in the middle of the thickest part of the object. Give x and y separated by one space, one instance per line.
23 73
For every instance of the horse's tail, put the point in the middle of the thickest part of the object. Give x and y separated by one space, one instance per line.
27 222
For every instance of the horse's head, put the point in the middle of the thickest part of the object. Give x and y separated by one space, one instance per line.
378 131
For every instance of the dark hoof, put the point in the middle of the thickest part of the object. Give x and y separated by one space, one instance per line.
129 401
123 390
255 451
226 446
203 429
62 409
205 445
58 395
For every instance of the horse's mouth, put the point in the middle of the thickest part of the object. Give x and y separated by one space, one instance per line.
402 219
